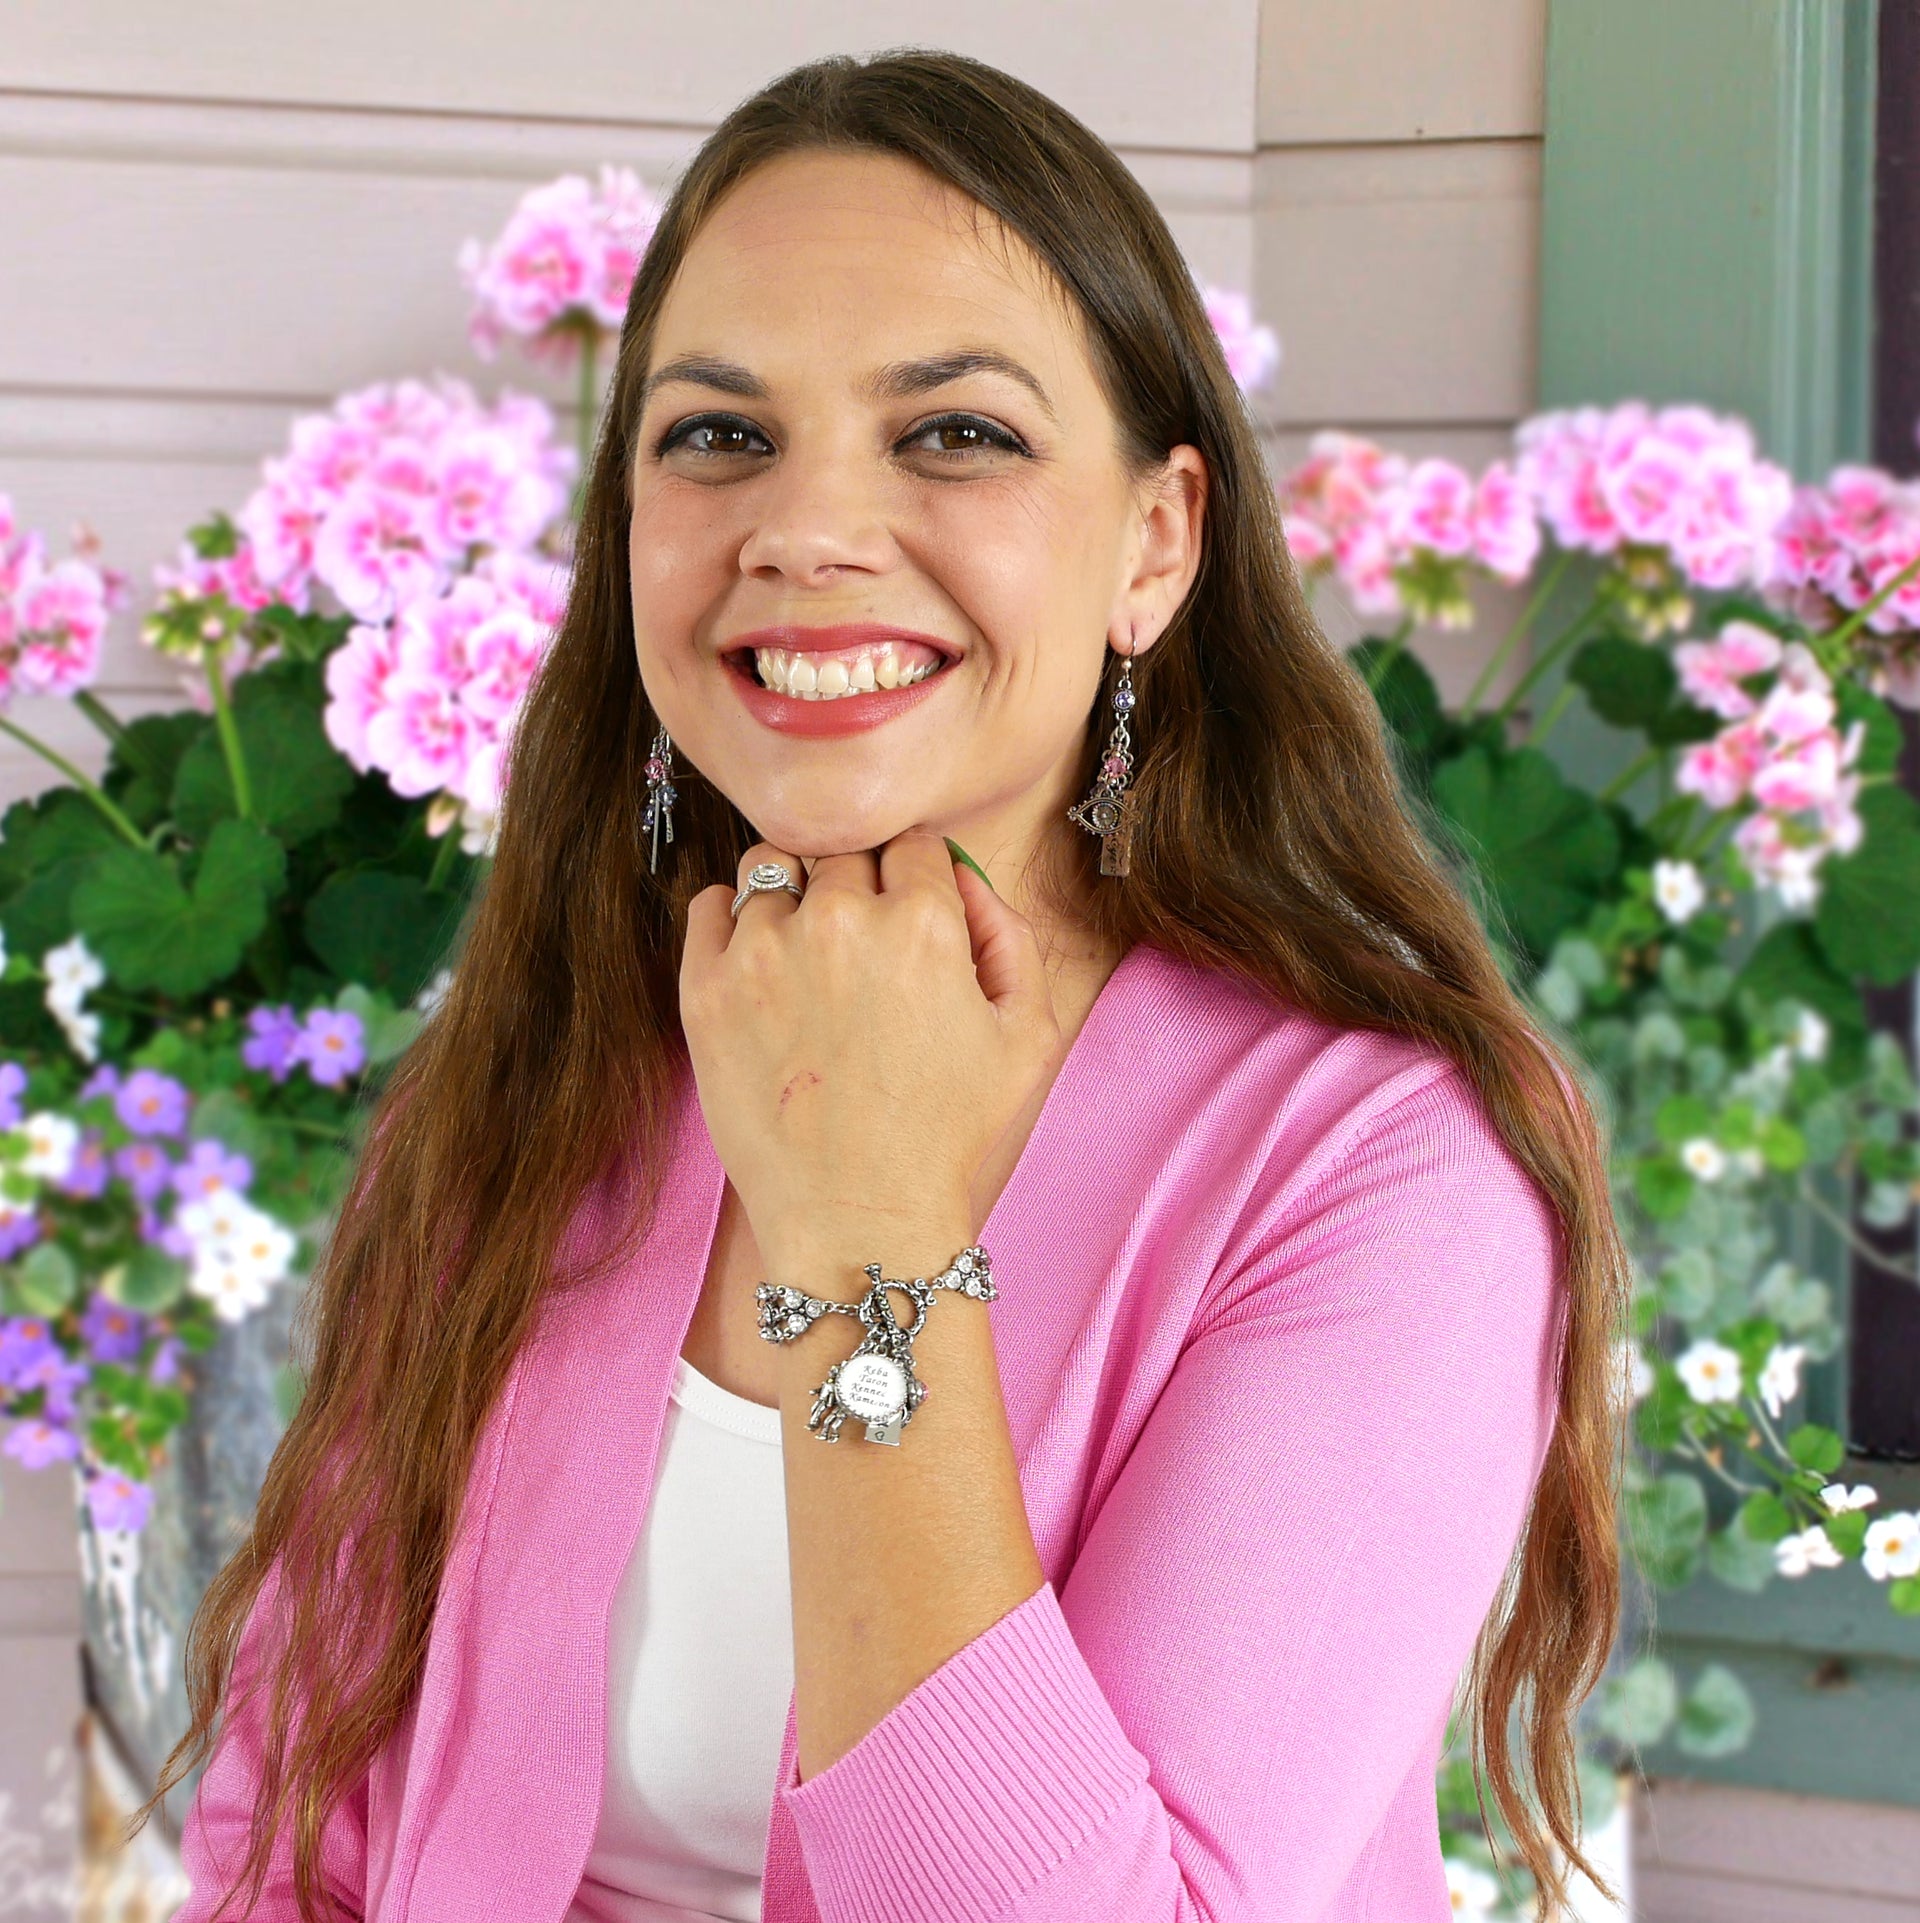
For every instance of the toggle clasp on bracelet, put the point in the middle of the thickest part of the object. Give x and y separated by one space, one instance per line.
876 1383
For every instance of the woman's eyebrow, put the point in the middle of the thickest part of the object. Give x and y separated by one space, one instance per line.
898 380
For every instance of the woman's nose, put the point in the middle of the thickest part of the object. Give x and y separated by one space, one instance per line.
822 508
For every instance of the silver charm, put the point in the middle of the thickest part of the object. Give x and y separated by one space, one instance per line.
661 795
1107 811
876 1384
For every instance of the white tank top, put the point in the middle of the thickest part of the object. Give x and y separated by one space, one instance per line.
700 1669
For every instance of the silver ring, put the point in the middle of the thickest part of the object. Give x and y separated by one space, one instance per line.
766 877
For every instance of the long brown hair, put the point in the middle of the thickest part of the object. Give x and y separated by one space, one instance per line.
1271 841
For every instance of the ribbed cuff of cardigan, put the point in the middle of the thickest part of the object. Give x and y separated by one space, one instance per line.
973 1787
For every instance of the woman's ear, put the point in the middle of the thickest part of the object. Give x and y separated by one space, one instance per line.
1164 556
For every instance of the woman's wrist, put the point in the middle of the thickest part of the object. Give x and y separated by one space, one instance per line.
825 1250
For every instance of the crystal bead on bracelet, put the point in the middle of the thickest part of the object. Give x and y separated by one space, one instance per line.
875 1384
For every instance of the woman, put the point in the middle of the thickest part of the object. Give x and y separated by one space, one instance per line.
1142 1593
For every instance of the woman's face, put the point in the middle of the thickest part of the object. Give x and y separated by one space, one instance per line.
873 441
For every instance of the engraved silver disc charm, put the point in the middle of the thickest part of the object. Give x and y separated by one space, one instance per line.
872 1388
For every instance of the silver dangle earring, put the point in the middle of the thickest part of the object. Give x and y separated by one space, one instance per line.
661 796
1108 809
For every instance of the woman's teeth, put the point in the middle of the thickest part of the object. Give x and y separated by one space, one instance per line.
810 678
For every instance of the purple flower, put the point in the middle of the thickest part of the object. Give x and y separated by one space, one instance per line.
19 1229
332 1044
117 1501
145 1167
38 1442
166 1360
112 1332
151 1103
105 1080
211 1165
88 1175
59 1378
270 1051
24 1340
13 1083
168 1237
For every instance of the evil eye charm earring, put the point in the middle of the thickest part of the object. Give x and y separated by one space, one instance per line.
660 797
1108 809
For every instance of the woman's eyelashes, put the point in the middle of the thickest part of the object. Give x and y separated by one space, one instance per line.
953 448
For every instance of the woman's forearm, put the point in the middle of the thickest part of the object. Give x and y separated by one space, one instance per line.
900 1556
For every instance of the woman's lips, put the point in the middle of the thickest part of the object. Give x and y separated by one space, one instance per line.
842 714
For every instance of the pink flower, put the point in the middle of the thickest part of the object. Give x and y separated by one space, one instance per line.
1719 770
1433 509
1711 671
53 618
1789 867
357 674
1252 350
1506 530
564 261
420 736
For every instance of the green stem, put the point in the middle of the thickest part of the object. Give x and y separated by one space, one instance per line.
100 715
229 738
1513 636
1541 662
320 1131
1855 1241
589 405
443 858
90 789
1859 618
1384 660
1555 709
1631 773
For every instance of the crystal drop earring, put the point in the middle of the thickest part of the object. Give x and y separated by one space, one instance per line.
1108 808
661 796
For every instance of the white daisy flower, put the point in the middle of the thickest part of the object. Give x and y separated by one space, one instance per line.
1810 1549
1704 1158
1780 1378
82 1030
1810 1036
1893 1547
1711 1372
232 1288
1677 890
220 1216
1472 1894
51 1143
1839 1498
72 970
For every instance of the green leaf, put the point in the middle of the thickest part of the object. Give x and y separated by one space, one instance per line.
1847 1531
1788 964
1868 920
1546 849
223 1116
149 1280
1816 1448
1736 1557
1717 1716
1639 1705
1663 1186
1904 1595
1782 1146
1680 1118
153 933
45 1279
146 758
1407 697
1880 751
1627 682
1766 1518
389 1031
384 931
1667 1524
299 778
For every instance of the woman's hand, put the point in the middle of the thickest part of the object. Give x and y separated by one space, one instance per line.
859 1052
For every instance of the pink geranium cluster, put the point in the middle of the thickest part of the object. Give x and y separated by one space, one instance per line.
53 615
562 267
1252 350
1681 482
1842 544
398 489
431 698
1782 754
1397 533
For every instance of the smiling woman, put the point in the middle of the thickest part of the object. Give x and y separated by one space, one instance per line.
1165 1195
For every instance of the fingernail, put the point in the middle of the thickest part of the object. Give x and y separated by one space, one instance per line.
960 854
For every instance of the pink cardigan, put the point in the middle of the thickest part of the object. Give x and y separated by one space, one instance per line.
1277 1331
